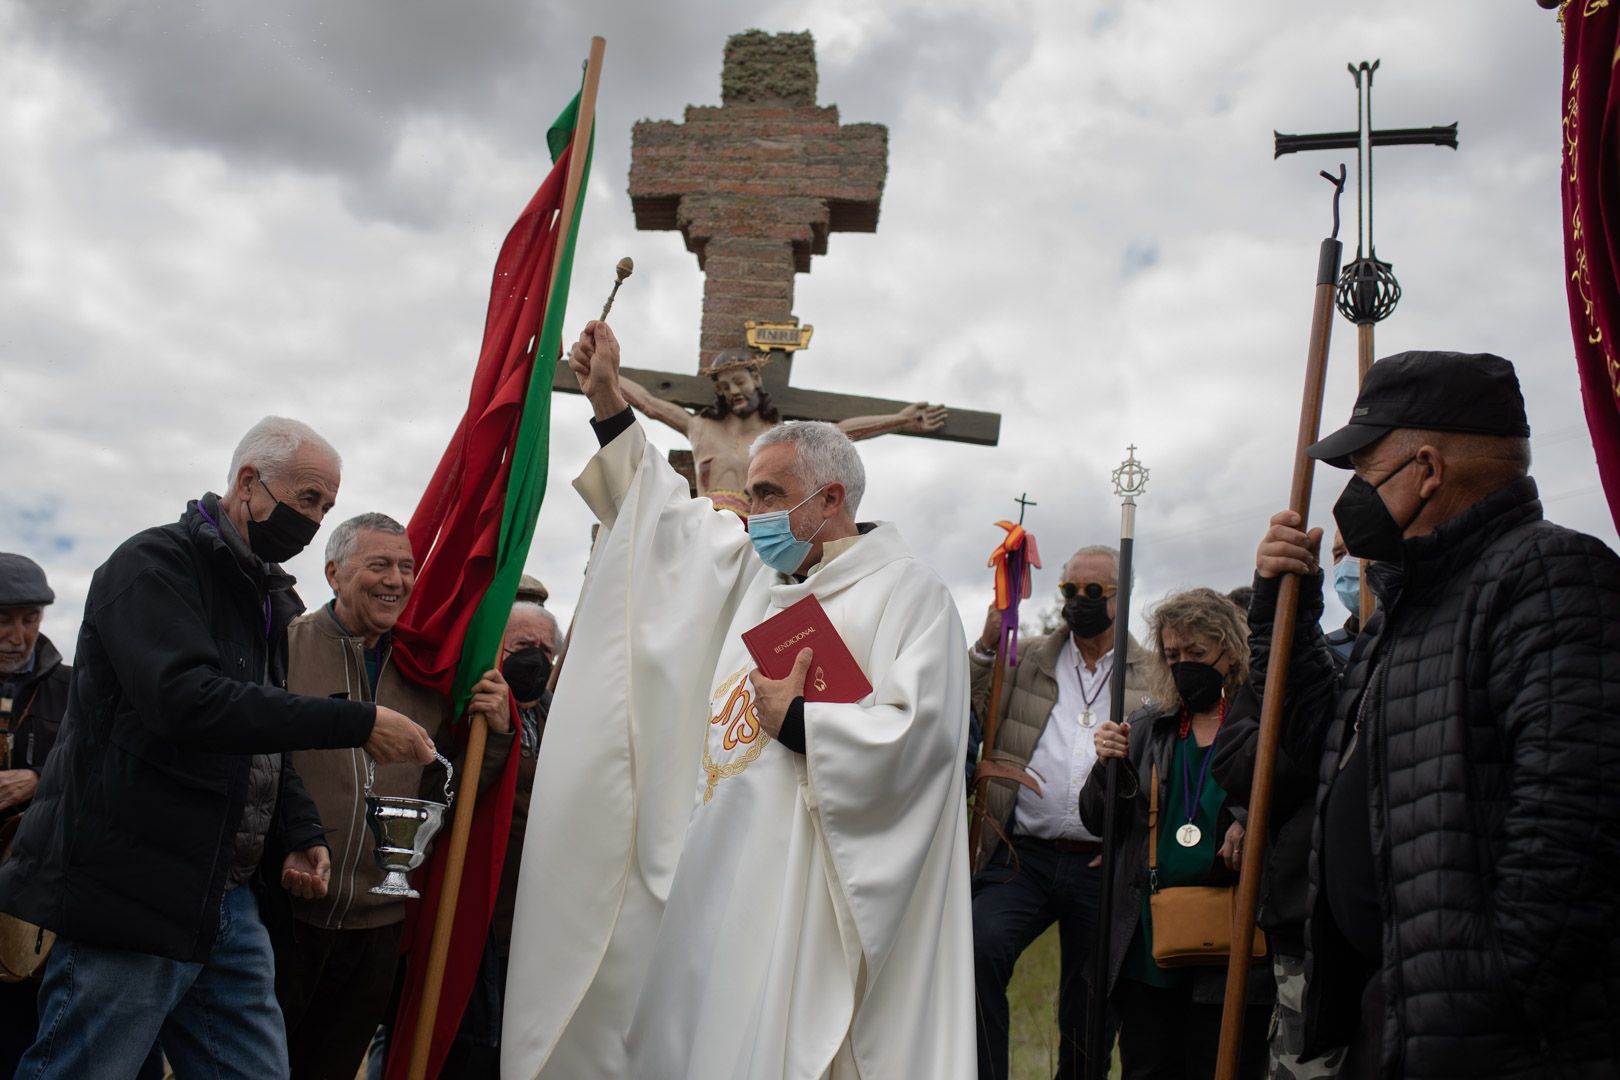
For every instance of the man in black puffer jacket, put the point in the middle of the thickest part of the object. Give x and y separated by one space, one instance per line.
167 787
1465 866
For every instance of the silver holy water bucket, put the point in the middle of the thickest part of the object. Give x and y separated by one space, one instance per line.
403 828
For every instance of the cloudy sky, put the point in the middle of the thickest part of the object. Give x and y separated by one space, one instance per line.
213 212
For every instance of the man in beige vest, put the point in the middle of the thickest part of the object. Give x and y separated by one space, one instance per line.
1038 864
336 958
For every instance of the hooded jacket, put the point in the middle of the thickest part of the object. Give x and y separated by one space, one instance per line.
178 684
1493 783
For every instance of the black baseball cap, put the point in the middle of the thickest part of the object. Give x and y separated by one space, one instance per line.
1430 391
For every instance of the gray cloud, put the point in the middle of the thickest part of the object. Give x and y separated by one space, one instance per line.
220 213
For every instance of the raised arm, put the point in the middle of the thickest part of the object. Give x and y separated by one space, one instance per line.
644 401
917 419
1312 680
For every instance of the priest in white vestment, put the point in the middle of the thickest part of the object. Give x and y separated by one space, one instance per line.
721 882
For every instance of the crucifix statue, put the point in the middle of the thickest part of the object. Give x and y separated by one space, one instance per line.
1367 292
755 186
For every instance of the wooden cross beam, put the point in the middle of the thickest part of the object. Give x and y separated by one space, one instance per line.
696 391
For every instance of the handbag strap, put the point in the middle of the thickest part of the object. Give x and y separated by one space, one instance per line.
1153 829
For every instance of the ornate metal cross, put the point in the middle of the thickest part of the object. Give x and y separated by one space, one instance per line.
1368 291
1131 478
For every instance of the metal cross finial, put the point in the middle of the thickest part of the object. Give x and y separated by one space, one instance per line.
1024 502
1368 291
1131 478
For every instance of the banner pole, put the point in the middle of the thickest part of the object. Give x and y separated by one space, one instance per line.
478 732
1282 635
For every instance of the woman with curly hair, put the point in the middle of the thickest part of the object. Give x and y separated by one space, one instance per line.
1170 1017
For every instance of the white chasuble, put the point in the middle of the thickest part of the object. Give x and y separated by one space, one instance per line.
697 901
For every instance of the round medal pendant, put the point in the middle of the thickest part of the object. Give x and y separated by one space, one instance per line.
1188 835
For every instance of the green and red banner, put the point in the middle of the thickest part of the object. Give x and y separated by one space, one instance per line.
1591 191
471 534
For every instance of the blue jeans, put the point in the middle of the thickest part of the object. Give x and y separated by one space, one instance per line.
100 1010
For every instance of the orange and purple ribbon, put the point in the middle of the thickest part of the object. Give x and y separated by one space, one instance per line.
1013 559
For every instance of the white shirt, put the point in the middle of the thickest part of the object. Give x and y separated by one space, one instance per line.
1065 753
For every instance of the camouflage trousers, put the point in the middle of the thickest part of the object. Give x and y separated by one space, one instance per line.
1287 1034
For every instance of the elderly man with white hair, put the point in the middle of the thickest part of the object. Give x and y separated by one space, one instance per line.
740 883
169 794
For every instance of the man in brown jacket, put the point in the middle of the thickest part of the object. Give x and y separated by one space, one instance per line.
336 960
1047 869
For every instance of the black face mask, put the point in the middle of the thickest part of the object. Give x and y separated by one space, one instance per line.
283 534
1087 617
1198 684
527 671
1370 531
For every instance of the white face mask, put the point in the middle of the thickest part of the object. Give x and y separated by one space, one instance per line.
1347 582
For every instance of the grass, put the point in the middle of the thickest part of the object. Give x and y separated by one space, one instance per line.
1032 1000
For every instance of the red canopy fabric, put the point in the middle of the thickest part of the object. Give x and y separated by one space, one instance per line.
1591 193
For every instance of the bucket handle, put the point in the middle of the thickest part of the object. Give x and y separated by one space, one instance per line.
449 775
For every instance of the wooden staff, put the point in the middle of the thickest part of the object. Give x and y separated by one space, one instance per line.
1130 479
478 730
1282 637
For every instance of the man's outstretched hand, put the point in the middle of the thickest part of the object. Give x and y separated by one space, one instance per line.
594 360
1286 550
773 696
395 737
306 873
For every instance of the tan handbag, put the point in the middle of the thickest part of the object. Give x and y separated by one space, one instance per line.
1192 924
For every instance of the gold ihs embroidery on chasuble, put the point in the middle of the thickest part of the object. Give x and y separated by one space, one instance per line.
734 739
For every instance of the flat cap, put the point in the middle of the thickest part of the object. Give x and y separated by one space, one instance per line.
1429 391
22 582
530 588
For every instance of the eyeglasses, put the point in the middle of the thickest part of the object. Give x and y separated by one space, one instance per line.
1093 590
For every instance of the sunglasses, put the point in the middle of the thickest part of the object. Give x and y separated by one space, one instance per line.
1092 590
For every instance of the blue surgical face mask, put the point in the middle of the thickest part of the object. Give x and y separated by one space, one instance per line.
1347 582
773 539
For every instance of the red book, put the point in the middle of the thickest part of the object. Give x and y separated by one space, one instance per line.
776 643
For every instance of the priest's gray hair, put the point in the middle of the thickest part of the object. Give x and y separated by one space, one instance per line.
826 456
272 443
340 545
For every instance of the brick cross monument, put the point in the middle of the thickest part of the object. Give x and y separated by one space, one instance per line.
756 185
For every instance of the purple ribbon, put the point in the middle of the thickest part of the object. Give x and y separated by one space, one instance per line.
1009 617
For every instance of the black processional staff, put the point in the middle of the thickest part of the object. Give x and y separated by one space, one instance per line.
1271 704
1130 480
